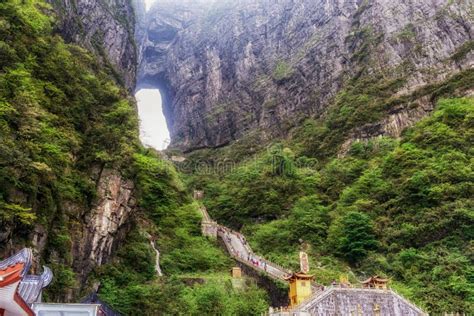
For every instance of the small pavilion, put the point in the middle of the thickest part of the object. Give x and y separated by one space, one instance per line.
300 287
376 282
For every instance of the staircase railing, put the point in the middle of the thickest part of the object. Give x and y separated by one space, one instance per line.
222 234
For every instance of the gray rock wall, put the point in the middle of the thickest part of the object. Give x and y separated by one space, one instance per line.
104 226
232 68
105 27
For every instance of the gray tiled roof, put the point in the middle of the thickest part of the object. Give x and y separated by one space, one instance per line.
104 307
31 285
25 256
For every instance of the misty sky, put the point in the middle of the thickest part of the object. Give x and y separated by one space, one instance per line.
148 3
153 129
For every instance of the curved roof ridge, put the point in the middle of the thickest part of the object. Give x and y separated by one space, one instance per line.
24 256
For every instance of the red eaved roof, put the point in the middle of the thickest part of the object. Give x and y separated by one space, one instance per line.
17 289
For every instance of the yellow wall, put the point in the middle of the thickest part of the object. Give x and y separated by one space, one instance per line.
300 290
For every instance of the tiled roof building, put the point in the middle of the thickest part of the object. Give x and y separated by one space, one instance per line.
18 289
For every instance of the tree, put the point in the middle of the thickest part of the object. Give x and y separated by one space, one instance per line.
310 219
352 236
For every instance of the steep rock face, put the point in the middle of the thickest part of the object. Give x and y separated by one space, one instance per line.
95 233
105 27
105 225
159 31
230 69
108 29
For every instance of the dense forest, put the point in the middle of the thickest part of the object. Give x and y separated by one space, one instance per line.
399 208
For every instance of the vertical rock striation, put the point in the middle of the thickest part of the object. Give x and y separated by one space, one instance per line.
232 68
108 29
106 224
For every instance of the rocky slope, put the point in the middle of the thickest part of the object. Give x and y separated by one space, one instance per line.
109 29
70 231
105 27
230 69
106 224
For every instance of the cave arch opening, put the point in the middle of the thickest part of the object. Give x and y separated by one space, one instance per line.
152 112
149 4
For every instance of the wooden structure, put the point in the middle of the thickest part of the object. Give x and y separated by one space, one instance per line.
375 282
300 288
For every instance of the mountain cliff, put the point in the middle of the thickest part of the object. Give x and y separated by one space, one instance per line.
360 145
106 28
76 185
64 188
232 69
317 79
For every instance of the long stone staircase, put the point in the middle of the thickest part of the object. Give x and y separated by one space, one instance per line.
332 300
239 249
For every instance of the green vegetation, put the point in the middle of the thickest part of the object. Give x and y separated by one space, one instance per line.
397 208
365 40
401 209
366 100
271 180
218 111
130 284
352 236
270 104
282 71
220 299
63 117
462 52
408 33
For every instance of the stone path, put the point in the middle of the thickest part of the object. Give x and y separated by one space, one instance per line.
322 302
239 249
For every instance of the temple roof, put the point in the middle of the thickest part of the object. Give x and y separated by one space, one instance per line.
25 256
30 286
300 275
375 279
